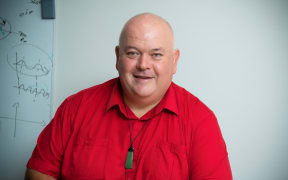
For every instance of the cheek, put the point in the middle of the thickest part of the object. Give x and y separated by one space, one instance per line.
125 65
158 69
162 69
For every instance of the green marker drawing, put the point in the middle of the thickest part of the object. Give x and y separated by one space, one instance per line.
3 33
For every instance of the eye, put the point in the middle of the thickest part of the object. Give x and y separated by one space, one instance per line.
157 55
132 54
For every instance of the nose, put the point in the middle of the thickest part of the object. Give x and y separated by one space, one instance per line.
143 62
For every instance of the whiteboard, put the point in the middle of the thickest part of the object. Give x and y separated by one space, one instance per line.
26 66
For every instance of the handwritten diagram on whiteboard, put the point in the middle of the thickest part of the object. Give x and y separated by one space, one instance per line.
26 66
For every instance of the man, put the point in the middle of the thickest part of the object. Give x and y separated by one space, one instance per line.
138 126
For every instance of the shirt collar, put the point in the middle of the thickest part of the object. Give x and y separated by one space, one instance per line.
116 97
168 102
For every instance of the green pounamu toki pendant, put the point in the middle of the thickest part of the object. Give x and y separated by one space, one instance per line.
129 159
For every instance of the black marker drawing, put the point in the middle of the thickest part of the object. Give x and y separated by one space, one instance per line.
37 2
30 61
16 105
15 119
26 12
22 36
32 90
42 123
20 65
6 30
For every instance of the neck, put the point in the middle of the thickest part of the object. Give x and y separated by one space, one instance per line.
141 107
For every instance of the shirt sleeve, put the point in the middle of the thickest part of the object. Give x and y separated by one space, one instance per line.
208 155
48 154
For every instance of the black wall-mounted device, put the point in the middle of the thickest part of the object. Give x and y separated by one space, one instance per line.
48 9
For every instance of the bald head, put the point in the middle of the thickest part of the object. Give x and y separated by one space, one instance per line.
147 22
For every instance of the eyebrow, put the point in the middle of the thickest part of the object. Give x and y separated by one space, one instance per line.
155 49
158 49
130 47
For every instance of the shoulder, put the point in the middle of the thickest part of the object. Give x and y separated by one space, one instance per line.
85 102
94 91
190 106
91 95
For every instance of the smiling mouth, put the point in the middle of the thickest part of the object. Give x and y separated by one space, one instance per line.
142 77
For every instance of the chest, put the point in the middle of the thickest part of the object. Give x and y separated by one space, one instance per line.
98 150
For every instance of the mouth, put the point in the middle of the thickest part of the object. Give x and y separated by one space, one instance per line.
143 77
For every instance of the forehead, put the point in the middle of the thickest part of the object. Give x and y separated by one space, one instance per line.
147 35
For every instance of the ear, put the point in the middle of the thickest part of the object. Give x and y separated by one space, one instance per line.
117 49
176 56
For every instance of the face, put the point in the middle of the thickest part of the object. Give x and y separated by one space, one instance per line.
146 60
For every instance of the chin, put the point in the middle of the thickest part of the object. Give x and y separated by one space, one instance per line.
144 92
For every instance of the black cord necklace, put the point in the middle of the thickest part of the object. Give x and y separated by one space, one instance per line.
129 158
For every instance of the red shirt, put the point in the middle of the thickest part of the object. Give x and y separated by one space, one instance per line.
89 138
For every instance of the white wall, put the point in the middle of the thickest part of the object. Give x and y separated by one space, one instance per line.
234 57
